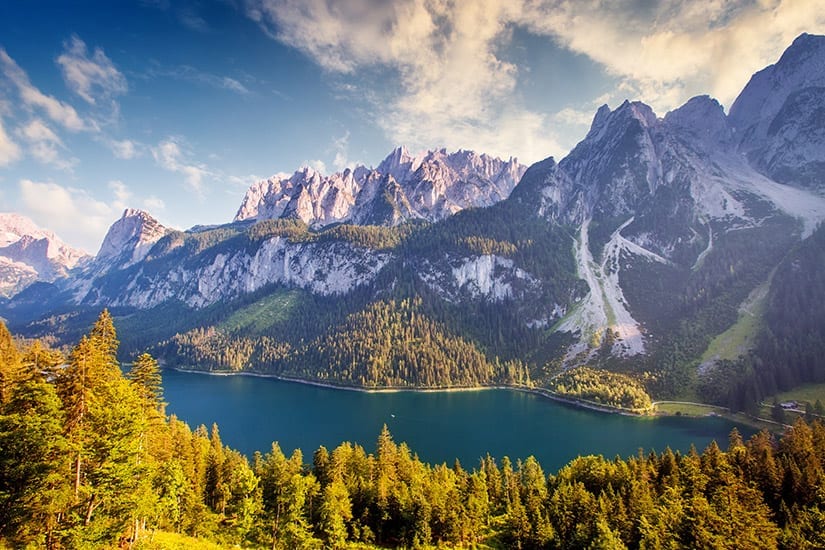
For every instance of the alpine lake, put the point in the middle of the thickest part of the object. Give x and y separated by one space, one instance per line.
440 426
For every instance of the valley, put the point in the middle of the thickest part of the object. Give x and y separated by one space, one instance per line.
631 255
539 275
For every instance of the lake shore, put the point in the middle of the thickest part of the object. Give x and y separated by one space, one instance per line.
543 392
695 410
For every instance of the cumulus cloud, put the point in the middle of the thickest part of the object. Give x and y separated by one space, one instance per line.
672 50
170 155
58 111
76 216
92 77
453 89
9 150
453 85
45 145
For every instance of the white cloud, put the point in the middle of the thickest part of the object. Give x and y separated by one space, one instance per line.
170 156
244 181
9 150
62 113
153 203
192 74
122 194
45 146
317 165
455 88
191 20
232 85
76 216
124 149
92 78
580 117
340 146
673 50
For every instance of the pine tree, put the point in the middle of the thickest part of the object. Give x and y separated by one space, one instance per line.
104 334
10 366
216 490
335 512
42 362
32 459
104 422
145 374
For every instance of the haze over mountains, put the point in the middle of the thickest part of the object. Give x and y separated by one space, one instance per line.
637 247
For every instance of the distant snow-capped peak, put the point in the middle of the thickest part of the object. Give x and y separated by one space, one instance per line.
29 253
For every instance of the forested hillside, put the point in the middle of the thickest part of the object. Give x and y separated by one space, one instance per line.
88 459
790 343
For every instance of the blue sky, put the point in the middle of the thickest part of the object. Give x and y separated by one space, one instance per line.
177 106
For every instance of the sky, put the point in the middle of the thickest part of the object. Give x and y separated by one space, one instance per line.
177 106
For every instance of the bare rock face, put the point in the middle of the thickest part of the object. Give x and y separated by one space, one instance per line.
129 239
29 253
779 118
431 186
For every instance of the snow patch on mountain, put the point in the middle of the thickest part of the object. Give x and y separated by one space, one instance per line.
806 206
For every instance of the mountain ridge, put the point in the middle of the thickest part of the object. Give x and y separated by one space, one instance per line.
631 253
430 185
29 253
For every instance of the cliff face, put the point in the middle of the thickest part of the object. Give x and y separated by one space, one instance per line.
430 186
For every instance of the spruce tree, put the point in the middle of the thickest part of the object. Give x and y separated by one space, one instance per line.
145 375
32 460
10 367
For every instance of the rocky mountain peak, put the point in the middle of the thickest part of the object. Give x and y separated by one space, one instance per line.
130 238
15 226
800 66
777 118
599 122
702 122
399 163
29 253
430 185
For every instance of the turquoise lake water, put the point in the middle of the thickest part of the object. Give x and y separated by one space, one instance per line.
440 426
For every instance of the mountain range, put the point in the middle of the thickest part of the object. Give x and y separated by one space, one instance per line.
429 186
641 250
29 253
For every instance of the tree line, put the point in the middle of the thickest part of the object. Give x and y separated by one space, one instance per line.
391 343
603 387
